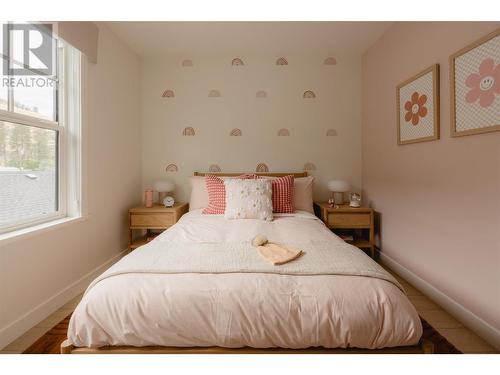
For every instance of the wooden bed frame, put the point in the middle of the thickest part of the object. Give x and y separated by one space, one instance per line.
424 346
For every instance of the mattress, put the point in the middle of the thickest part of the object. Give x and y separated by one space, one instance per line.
161 305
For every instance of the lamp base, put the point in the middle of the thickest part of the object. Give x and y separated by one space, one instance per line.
161 196
338 198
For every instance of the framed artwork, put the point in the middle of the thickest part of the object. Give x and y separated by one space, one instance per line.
417 101
475 87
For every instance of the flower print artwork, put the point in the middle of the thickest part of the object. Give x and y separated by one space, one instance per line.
415 108
418 107
485 84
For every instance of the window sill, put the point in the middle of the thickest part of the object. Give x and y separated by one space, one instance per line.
35 230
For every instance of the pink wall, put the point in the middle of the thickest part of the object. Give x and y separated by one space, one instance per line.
439 201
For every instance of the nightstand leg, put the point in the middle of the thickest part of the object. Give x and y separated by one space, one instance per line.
372 250
129 240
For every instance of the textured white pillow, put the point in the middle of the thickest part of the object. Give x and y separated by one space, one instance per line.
249 199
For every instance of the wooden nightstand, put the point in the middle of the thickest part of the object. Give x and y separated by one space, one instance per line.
358 221
156 217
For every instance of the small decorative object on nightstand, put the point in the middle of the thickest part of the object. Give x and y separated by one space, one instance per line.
354 200
145 219
355 224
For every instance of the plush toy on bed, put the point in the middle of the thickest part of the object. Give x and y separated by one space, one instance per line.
274 253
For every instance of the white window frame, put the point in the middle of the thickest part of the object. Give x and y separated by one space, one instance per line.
68 128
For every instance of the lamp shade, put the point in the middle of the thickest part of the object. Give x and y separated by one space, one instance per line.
338 186
165 186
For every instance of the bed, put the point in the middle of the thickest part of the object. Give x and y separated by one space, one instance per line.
200 287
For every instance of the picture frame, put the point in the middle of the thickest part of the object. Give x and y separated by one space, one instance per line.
474 105
417 107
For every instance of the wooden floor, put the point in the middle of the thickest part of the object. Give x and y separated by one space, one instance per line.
462 338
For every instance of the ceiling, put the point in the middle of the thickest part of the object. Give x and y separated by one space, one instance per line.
210 39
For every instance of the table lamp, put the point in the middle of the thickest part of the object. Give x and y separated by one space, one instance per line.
338 188
163 187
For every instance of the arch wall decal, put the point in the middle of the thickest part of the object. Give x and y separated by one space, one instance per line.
309 166
309 94
330 61
172 168
283 132
214 168
237 62
214 94
236 132
189 131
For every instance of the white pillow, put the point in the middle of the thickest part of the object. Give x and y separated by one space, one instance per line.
199 193
303 194
249 199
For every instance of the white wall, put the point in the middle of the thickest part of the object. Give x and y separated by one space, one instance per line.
35 272
337 106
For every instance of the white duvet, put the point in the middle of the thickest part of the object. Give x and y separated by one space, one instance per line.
148 298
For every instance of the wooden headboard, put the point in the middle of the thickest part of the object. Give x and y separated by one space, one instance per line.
269 174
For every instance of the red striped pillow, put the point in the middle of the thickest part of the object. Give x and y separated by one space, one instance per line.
217 193
283 195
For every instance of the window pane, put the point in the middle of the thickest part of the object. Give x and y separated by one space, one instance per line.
3 87
3 96
37 99
28 173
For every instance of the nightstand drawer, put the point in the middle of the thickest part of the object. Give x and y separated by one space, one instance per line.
158 220
349 220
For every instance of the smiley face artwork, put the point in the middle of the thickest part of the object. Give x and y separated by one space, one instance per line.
475 87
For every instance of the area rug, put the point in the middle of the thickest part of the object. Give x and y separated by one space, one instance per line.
51 341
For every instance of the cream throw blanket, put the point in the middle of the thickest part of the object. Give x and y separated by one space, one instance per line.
318 258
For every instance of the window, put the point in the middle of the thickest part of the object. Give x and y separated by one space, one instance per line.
39 134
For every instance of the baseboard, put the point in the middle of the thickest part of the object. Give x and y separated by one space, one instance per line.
465 316
25 322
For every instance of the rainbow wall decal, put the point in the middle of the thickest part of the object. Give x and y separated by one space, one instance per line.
236 132
281 61
261 167
187 63
188 131
214 168
331 133
283 132
214 94
330 61
261 94
309 166
168 94
172 168
309 95
237 62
